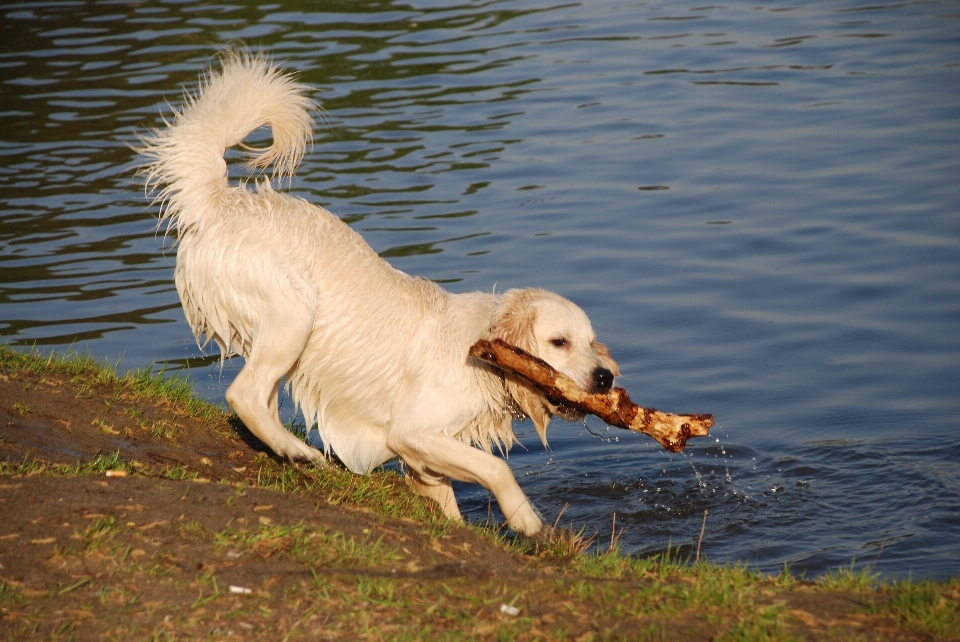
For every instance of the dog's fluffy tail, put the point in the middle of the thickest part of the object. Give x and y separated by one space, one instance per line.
187 172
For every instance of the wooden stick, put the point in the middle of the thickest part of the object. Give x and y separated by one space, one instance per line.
615 407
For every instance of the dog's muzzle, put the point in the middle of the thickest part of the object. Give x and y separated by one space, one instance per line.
601 380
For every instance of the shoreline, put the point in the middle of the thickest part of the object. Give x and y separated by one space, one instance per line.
203 533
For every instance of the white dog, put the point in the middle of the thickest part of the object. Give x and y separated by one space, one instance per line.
378 359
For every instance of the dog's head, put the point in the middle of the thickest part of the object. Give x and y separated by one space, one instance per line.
554 329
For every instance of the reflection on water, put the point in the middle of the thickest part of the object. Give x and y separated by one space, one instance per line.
757 206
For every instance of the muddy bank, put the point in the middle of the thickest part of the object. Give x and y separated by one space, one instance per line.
130 510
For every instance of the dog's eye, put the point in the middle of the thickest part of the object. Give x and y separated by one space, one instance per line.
559 343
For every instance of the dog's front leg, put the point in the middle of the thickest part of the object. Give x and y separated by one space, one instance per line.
435 455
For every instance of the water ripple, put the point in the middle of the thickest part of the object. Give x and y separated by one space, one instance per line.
755 204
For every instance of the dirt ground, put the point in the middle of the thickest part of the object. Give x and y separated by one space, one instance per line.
190 545
47 419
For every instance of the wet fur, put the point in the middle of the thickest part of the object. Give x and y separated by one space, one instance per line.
375 357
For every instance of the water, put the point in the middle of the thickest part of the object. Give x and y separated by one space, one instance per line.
758 206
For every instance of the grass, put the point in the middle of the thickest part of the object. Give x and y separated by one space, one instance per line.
573 588
87 373
310 547
99 465
848 578
925 606
381 490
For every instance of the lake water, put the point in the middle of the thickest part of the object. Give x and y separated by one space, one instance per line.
757 205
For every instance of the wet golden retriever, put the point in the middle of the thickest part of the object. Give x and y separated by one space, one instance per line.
375 357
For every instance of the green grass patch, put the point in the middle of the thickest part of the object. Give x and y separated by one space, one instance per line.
88 373
571 587
925 606
305 545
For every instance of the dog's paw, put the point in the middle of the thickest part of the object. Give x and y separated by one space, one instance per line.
297 451
525 521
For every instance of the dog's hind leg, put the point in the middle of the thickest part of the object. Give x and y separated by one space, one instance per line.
280 336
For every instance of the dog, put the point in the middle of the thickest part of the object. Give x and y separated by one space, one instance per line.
376 358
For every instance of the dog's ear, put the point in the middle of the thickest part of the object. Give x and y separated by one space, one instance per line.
603 353
514 319
532 405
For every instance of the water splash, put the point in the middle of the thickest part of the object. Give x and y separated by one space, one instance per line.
701 484
604 438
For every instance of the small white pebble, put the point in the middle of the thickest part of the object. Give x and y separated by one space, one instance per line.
507 609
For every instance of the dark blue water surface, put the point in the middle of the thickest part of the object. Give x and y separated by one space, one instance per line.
758 206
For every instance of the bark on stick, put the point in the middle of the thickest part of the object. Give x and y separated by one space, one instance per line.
615 407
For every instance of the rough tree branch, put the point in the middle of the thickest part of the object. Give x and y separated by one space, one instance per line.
614 408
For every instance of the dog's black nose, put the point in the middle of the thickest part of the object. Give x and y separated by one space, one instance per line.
602 380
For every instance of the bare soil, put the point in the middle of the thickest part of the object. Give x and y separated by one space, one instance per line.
190 545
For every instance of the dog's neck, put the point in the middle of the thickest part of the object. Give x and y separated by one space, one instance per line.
511 405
